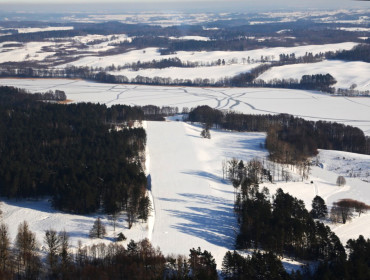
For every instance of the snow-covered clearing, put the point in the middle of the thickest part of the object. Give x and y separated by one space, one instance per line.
197 38
306 104
44 29
148 54
211 72
324 185
355 29
40 29
193 204
346 73
26 52
41 216
345 164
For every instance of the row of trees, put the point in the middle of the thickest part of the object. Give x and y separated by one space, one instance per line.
140 260
343 210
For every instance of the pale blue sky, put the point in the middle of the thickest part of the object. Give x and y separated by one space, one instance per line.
217 5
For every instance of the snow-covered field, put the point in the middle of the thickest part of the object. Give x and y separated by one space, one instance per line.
306 104
346 73
193 204
346 164
148 54
42 29
41 217
211 72
26 52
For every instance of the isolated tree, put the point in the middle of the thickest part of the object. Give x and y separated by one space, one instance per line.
360 207
4 247
132 248
319 209
52 242
26 249
25 242
113 219
121 237
64 253
341 211
285 175
98 229
205 131
341 181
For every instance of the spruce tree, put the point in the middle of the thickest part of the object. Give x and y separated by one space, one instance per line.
98 229
319 209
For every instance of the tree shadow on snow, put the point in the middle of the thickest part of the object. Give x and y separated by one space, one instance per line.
206 175
217 227
216 224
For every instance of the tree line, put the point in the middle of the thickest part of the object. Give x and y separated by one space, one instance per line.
289 139
73 153
140 260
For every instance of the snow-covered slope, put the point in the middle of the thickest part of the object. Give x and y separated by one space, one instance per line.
193 204
323 177
211 72
148 54
345 164
41 216
346 73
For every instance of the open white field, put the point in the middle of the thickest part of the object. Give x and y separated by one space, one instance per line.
148 54
345 164
27 52
41 29
346 73
193 204
211 72
41 217
306 104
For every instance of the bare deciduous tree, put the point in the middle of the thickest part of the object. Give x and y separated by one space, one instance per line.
341 181
52 241
4 246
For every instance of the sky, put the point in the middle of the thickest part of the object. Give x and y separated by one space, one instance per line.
181 5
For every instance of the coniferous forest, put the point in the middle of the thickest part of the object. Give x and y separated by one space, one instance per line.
72 153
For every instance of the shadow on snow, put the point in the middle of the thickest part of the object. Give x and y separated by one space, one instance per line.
214 223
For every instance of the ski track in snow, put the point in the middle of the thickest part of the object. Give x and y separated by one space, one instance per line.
306 104
192 203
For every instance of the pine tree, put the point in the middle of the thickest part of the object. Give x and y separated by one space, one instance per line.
98 229
64 254
319 209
